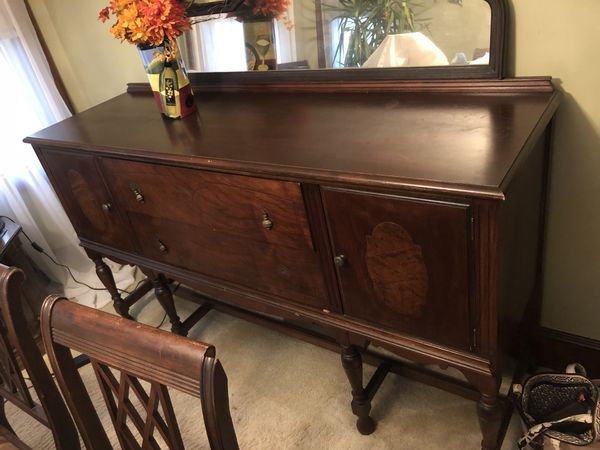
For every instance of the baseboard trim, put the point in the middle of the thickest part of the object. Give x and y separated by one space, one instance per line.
559 348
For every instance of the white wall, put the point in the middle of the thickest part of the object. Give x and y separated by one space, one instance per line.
560 38
94 66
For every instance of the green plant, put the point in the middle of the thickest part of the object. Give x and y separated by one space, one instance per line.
363 24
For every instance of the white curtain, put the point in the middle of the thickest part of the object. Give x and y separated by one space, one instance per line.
217 45
286 40
30 101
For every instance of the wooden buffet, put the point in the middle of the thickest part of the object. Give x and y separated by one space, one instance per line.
411 217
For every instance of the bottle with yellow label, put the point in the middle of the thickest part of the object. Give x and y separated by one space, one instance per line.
169 91
169 82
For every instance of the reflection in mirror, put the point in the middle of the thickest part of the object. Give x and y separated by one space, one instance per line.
337 34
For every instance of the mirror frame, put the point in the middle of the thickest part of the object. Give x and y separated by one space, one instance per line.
493 70
213 7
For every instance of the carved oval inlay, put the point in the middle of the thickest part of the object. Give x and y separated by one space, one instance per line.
397 270
87 201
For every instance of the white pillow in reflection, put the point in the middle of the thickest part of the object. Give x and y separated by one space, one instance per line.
406 50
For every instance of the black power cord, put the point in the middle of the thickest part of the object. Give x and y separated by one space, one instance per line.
39 249
161 322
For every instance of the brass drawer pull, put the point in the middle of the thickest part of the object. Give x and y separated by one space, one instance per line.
138 196
106 207
340 260
162 247
137 193
267 223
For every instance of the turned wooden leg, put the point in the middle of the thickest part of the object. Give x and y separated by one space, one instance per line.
107 279
361 404
490 417
165 297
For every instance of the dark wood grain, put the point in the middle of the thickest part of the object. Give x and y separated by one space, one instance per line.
409 258
279 271
527 85
520 247
318 223
214 224
218 203
80 186
165 298
444 142
17 342
157 357
391 216
489 411
106 277
361 403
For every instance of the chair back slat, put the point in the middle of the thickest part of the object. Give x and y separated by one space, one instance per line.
146 358
13 384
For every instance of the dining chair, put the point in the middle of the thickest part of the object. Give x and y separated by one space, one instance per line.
19 352
134 363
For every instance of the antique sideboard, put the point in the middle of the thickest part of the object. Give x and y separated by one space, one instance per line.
411 215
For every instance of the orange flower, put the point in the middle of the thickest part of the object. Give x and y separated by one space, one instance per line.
117 5
148 22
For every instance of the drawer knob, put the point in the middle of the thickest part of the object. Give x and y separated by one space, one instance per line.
138 194
340 260
106 207
162 247
267 222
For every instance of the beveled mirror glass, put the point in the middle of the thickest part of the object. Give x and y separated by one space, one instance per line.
375 36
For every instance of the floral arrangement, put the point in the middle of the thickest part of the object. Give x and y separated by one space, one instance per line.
269 8
148 22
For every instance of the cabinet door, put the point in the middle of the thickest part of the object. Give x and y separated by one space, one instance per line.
79 184
403 263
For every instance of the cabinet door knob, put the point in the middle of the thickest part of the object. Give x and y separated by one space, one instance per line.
162 247
267 222
106 207
340 260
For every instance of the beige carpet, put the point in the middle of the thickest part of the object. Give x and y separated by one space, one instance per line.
287 394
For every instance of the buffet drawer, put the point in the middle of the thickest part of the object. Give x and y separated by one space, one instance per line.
249 232
255 209
286 272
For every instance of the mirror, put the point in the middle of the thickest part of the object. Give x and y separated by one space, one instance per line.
345 35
